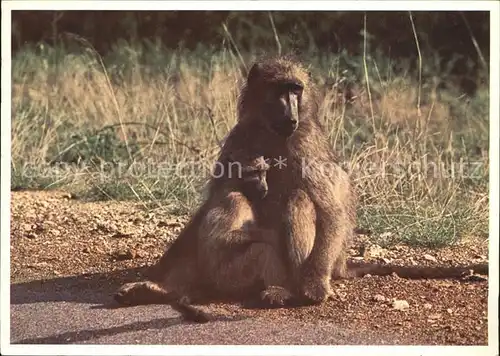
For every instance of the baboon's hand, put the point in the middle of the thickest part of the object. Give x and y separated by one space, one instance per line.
266 236
315 287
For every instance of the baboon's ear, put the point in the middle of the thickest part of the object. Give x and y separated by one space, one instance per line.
253 74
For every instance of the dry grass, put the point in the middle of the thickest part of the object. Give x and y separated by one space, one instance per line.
133 128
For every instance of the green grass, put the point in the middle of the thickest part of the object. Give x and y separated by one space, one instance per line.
122 127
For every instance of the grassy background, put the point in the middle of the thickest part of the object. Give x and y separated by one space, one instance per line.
134 123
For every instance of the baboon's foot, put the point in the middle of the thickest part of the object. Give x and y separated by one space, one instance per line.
138 293
316 290
270 298
276 297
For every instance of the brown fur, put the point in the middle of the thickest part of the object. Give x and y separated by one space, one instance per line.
311 208
288 245
226 222
310 216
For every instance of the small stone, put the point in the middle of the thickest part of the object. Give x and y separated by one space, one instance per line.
27 227
374 251
123 255
140 254
400 304
342 295
368 275
394 275
102 227
379 298
38 227
31 235
429 258
449 311
427 306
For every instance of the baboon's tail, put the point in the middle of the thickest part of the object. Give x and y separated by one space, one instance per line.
360 269
188 311
146 293
182 304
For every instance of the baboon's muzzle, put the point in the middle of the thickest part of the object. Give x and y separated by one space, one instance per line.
290 120
255 192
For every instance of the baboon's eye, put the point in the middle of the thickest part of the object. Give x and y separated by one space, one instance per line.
296 88
291 87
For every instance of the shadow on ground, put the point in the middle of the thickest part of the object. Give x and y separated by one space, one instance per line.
97 288
90 334
51 302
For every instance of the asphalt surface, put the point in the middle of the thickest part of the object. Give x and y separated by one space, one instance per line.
71 311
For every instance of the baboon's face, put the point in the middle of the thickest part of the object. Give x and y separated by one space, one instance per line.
280 88
282 104
255 185
253 182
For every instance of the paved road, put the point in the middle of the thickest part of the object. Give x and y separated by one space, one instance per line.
70 310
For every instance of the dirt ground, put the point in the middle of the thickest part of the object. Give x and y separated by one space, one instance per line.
54 236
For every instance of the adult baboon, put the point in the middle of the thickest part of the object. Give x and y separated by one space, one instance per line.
311 203
297 236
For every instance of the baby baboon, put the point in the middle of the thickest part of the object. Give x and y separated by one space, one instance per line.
226 221
232 246
252 171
